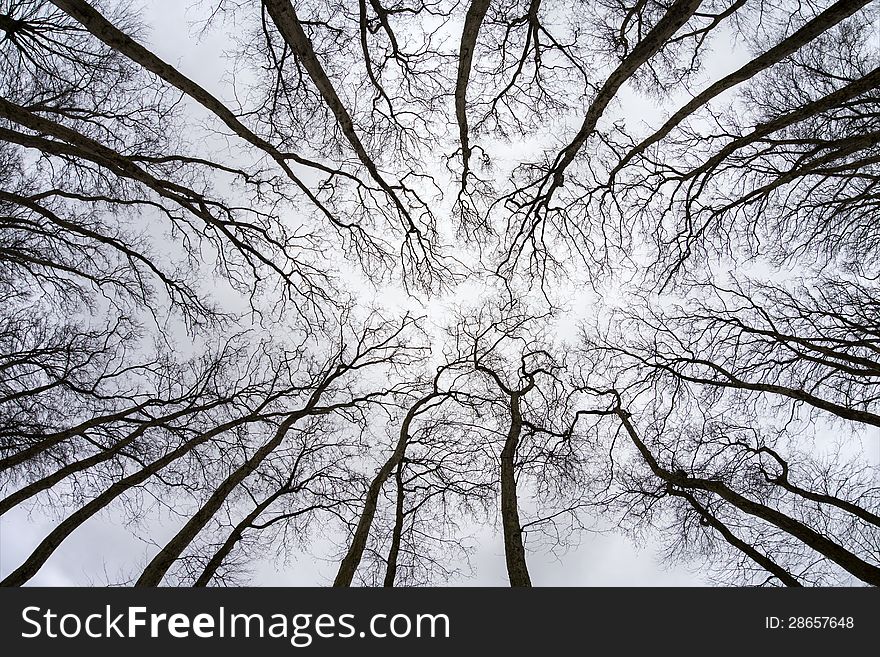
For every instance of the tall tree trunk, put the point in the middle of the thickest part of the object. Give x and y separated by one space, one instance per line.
48 442
156 569
234 537
676 16
349 565
44 550
514 551
472 22
397 532
819 25
291 30
842 557
48 481
762 560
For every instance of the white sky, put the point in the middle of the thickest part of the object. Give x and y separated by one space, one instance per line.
105 545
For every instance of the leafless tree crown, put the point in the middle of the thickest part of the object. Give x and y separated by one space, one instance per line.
389 272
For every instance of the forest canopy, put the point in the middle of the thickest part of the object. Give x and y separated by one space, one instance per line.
371 275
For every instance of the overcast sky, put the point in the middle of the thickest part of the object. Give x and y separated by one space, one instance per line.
105 545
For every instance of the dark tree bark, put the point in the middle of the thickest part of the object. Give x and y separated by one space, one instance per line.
514 551
156 569
397 531
844 558
814 28
352 559
232 540
475 15
48 545
675 17
762 560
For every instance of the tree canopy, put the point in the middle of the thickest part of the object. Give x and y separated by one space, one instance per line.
389 270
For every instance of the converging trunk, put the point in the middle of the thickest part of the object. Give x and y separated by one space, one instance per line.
47 547
156 569
349 565
397 532
234 537
842 557
514 551
47 482
761 559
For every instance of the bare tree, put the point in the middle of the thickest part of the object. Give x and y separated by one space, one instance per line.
406 267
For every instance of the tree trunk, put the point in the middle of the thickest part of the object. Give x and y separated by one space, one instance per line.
819 25
762 560
349 565
44 550
156 569
676 16
234 537
48 481
472 22
842 557
397 533
48 442
514 552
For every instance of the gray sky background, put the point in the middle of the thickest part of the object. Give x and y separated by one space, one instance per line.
105 545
